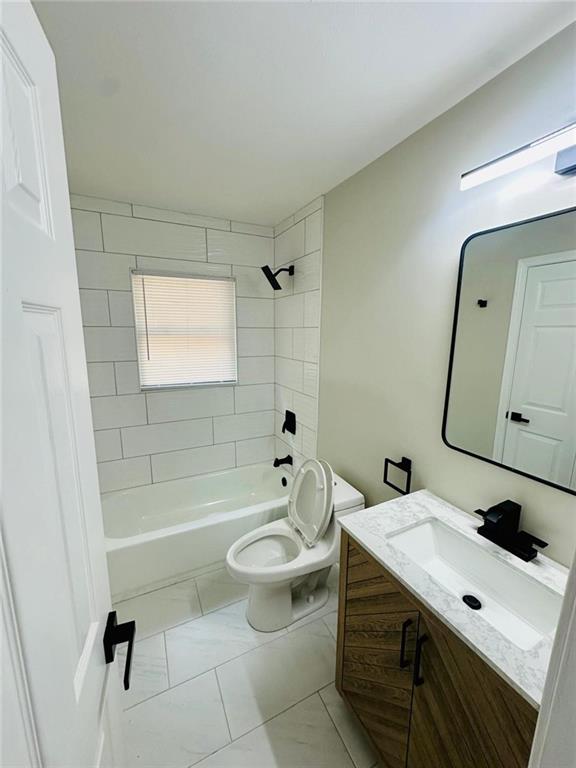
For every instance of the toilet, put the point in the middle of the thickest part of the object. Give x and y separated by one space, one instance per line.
286 563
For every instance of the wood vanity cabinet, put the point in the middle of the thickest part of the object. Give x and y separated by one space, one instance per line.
424 697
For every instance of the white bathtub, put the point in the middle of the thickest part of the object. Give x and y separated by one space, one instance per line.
161 533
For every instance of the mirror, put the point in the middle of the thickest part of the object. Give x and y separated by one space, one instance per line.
511 394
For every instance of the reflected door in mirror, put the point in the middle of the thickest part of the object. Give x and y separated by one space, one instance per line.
542 361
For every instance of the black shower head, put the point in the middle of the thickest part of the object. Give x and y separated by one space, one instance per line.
271 276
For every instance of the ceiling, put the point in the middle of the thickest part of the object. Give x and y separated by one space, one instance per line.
250 110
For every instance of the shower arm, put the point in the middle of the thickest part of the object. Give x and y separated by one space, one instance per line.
272 276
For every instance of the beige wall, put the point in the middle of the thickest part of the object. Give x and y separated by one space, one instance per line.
392 236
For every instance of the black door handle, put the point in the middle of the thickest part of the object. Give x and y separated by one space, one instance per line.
114 635
418 679
515 416
403 660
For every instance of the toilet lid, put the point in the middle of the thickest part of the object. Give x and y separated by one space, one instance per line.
310 502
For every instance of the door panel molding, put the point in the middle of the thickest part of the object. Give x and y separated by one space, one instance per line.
25 194
16 664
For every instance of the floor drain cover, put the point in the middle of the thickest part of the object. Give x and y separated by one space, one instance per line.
472 602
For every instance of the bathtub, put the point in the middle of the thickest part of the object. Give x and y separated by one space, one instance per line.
162 533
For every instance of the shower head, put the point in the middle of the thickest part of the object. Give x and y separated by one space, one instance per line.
271 276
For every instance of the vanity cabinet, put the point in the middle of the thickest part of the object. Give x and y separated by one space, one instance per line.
424 697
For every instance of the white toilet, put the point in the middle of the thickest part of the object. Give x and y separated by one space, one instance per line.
287 562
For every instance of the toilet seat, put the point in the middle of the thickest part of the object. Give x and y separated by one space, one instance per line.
246 569
296 545
310 501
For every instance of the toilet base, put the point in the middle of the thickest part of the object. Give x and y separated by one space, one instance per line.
275 606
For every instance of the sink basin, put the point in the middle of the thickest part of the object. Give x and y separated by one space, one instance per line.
518 606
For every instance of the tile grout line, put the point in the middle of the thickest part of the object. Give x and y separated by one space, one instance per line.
337 730
120 430
223 704
166 659
101 231
197 591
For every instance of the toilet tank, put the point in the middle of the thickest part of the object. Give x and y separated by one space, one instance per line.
345 497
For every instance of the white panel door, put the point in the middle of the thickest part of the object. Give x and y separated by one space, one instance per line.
56 702
544 379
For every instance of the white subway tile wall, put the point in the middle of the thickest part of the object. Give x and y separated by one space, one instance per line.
101 379
144 237
147 438
298 241
239 248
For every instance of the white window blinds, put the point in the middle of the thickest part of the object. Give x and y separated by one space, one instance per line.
185 329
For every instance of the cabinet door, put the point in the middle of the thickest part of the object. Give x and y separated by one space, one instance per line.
463 714
378 629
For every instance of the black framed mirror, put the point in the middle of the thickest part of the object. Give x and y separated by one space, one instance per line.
511 390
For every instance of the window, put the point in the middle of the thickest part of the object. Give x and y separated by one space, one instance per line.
185 329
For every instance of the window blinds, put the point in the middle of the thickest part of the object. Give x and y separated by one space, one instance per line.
185 329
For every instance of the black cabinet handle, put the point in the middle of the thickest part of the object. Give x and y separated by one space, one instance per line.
404 662
114 635
418 679
515 416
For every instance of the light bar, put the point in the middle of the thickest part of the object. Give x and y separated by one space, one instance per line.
519 158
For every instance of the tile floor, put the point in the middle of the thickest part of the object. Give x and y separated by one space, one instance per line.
208 690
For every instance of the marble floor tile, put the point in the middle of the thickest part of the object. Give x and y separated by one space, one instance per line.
264 682
331 621
149 670
161 609
211 640
349 728
218 588
177 728
302 737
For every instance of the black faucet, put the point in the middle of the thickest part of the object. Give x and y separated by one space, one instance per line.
286 460
501 524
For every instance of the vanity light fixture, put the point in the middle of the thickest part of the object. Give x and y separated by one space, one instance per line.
521 157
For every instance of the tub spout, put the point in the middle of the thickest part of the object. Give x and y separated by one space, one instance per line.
286 460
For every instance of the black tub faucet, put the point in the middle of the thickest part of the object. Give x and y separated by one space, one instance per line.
501 523
286 460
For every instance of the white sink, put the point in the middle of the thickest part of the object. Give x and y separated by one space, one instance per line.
518 606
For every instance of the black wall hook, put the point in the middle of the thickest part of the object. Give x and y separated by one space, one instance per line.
406 466
271 276
114 635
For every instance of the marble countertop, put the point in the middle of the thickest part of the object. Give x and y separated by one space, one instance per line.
525 670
